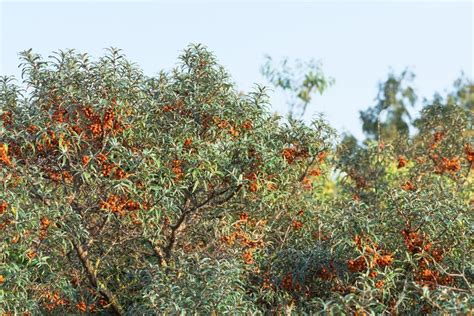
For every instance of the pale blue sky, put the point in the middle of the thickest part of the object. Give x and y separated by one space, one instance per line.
357 42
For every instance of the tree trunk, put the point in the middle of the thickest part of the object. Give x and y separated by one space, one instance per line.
92 276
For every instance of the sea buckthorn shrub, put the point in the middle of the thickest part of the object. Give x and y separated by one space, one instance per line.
109 175
402 220
394 236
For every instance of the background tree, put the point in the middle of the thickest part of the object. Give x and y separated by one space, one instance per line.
301 80
390 116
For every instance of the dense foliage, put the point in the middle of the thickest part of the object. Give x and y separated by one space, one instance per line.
135 195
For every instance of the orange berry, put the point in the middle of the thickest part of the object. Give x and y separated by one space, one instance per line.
402 162
4 155
297 225
85 160
408 186
3 207
244 217
248 257
81 306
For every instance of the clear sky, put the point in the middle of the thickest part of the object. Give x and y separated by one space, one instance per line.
357 42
